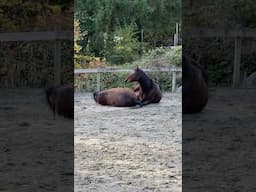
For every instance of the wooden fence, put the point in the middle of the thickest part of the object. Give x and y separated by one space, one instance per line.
173 71
237 34
54 36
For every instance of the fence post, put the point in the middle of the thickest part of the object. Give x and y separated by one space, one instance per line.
142 39
173 81
57 62
176 35
98 79
237 62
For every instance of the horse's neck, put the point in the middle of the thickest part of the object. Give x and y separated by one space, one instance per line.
145 83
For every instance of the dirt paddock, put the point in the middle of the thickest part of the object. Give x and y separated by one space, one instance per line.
219 143
122 149
36 149
125 149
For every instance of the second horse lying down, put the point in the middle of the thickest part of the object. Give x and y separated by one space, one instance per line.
118 97
145 93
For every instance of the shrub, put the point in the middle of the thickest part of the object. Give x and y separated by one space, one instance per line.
161 57
125 47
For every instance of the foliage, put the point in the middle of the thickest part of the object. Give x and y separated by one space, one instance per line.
86 61
24 64
232 13
218 53
102 21
16 15
161 57
15 71
125 47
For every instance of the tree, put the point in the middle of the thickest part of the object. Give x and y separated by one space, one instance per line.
102 18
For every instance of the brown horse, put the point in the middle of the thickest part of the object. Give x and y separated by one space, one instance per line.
147 90
194 86
61 100
118 97
138 91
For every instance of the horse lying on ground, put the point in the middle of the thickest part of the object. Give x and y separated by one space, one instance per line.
147 91
195 89
61 100
118 97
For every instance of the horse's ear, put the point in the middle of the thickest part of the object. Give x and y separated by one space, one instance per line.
137 67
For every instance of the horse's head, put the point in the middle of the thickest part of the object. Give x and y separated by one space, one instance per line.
135 76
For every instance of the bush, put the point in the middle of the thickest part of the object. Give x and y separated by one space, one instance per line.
161 57
87 61
31 64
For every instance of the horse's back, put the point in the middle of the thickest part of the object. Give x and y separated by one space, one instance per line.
154 95
119 97
157 94
61 100
195 89
66 101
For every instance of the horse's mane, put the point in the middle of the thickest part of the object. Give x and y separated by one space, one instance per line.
147 81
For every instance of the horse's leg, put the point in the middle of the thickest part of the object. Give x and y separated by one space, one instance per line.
136 88
146 102
141 96
138 102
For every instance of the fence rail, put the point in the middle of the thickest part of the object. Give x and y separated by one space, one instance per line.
36 36
54 36
236 33
222 33
98 71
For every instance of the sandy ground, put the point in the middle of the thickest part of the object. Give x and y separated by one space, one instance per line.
219 143
128 150
36 149
121 149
